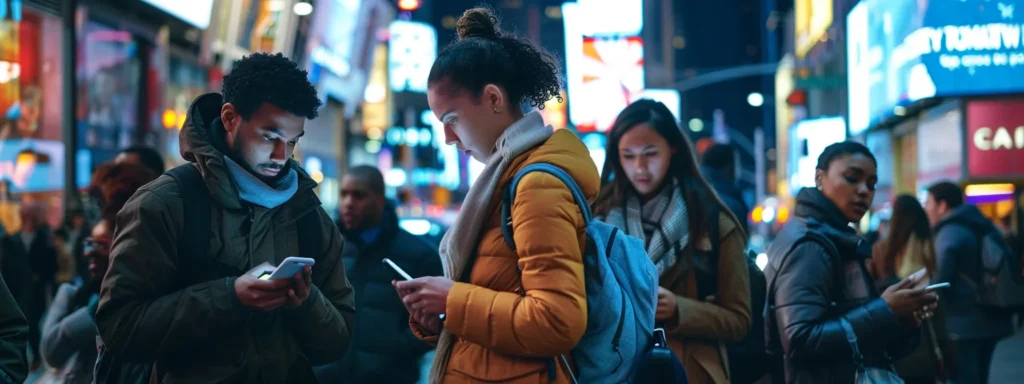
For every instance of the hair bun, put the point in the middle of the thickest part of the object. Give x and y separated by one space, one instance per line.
478 22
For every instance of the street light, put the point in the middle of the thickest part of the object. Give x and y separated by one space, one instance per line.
302 8
755 99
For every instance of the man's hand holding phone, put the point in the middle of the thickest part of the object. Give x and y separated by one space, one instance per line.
256 291
263 295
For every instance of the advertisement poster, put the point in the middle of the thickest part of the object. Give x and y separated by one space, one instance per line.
939 148
613 76
901 51
995 132
604 60
108 88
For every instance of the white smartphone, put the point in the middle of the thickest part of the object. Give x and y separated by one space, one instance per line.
288 268
397 269
936 286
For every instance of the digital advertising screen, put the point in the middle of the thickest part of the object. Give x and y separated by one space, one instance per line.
195 12
902 51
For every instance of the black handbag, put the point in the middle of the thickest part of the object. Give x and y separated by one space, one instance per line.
660 364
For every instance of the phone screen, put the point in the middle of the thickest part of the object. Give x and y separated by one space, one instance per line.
265 275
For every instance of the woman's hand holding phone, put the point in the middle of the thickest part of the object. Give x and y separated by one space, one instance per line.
908 302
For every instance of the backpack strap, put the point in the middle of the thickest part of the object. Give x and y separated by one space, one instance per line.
310 235
194 240
508 196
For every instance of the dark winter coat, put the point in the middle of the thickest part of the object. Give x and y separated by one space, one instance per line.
958 262
383 348
814 287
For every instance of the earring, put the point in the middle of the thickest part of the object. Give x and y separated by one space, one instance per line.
819 188
497 109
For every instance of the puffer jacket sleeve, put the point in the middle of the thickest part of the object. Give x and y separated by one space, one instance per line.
66 330
323 324
805 328
728 318
142 315
552 316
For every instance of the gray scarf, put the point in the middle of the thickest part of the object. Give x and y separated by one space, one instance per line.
663 223
459 244
253 190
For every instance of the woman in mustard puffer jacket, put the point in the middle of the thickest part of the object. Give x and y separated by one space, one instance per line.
493 331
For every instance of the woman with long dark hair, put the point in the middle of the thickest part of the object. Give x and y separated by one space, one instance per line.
510 309
69 333
652 189
820 295
908 248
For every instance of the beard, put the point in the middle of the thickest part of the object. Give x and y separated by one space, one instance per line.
236 155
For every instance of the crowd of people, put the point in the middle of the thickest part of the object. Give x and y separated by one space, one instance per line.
168 284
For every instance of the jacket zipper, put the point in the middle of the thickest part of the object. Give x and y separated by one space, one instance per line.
250 221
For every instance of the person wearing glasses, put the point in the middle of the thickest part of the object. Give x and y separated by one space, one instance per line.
69 336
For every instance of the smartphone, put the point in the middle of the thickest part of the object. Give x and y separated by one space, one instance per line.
936 286
288 268
399 271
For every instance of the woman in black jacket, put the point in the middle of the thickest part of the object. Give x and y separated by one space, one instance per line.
818 282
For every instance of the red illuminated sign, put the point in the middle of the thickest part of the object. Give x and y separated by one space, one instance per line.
995 138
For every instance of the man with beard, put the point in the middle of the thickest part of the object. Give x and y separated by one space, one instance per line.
232 327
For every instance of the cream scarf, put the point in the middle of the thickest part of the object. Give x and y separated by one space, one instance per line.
460 243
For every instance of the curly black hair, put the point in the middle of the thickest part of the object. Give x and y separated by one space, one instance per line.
484 54
265 78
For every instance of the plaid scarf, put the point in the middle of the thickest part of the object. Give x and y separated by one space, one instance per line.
663 223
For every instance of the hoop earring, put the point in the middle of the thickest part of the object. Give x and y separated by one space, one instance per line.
497 110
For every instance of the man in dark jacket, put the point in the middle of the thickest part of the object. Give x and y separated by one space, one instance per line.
719 168
30 266
13 338
383 349
234 328
958 228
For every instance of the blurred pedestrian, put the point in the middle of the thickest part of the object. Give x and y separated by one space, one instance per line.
69 337
143 155
718 165
383 349
222 323
659 196
31 254
76 230
959 230
819 292
509 313
909 248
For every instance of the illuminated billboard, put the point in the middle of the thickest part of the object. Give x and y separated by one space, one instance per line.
411 52
195 12
902 51
604 61
808 140
812 20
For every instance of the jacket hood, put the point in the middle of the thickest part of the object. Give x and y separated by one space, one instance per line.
811 203
202 142
967 214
